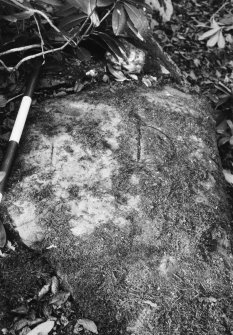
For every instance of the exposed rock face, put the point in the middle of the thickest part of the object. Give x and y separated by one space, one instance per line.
126 187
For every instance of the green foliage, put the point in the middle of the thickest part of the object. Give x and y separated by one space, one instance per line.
49 26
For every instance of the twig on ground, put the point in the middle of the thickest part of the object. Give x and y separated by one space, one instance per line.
220 8
15 97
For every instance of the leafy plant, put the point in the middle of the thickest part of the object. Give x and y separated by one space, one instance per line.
47 26
215 35
225 132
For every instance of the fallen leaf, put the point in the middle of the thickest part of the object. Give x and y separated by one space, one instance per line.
231 141
47 310
64 321
209 33
3 101
213 40
119 75
88 325
105 78
133 76
146 82
221 40
45 289
32 314
25 331
10 245
165 8
196 62
43 329
223 140
35 322
22 310
92 73
228 176
3 254
20 324
59 298
78 86
54 285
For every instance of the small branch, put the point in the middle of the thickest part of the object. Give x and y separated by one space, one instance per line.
39 12
43 53
5 67
41 38
27 47
15 97
108 12
220 8
16 67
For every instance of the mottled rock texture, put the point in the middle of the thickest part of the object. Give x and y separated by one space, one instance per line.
126 186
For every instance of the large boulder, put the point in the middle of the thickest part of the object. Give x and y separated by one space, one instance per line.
122 189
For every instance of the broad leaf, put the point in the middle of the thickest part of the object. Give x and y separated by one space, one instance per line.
165 11
93 14
118 19
134 30
88 325
227 19
133 13
137 17
80 4
221 40
45 289
114 46
91 6
9 2
119 75
222 127
43 329
143 24
230 125
71 21
228 176
83 54
52 2
18 16
213 40
223 140
209 33
66 10
214 24
54 285
59 298
23 309
95 19
104 3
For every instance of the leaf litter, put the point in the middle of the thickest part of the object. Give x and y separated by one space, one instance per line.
49 310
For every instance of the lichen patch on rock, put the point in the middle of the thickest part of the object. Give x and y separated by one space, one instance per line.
127 185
